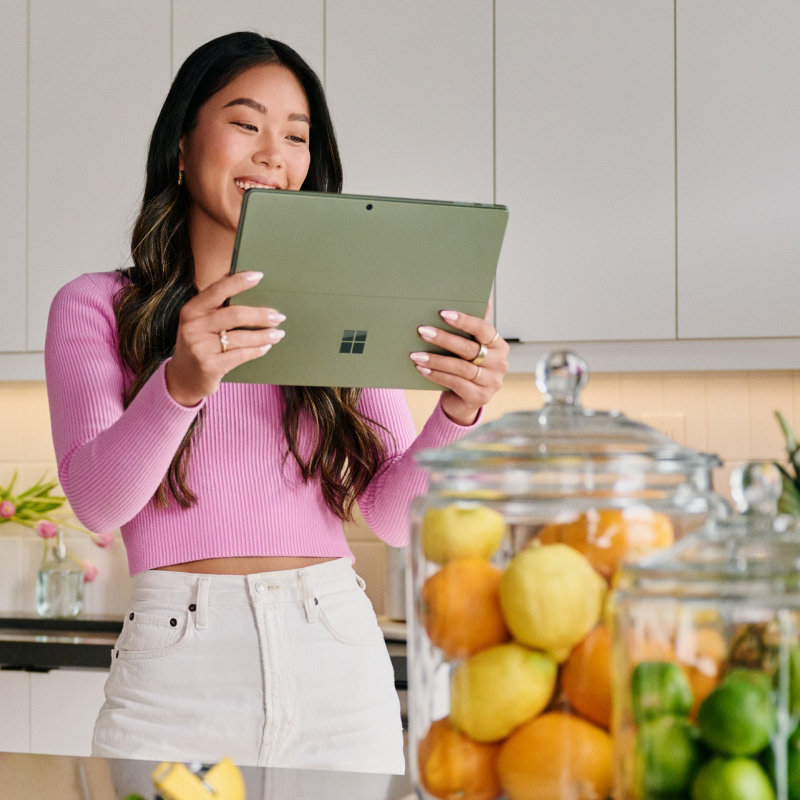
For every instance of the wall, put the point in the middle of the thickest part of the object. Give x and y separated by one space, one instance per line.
727 413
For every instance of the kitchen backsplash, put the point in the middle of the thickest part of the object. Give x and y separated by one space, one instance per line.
727 413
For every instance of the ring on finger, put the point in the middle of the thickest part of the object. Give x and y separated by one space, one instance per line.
482 353
477 375
223 341
493 339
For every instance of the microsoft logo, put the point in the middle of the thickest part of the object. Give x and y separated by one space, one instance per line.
353 342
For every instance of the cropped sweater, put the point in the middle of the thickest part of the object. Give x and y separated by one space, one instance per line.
251 498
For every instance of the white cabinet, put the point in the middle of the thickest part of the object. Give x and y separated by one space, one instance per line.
98 74
585 162
50 712
410 89
14 197
738 117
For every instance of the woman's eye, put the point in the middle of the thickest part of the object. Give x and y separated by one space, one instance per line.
299 139
246 125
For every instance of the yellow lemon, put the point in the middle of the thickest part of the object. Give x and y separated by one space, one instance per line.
551 597
498 689
461 532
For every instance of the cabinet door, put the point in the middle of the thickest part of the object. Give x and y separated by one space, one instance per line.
585 163
98 74
738 105
299 24
15 727
410 89
64 706
14 197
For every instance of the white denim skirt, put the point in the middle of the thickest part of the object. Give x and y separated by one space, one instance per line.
286 668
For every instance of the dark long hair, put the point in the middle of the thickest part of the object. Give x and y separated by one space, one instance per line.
347 449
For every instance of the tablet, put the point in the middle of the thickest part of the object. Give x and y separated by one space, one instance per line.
355 275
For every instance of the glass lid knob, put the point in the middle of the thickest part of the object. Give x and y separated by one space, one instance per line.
756 488
561 376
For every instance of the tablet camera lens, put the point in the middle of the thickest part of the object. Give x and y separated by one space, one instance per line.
369 206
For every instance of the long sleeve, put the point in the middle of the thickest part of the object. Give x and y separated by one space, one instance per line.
110 460
386 500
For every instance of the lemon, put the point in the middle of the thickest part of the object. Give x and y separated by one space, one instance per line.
498 689
732 779
551 597
461 532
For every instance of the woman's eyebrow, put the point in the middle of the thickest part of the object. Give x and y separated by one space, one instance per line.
256 106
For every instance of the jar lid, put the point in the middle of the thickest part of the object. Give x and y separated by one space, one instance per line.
755 552
563 434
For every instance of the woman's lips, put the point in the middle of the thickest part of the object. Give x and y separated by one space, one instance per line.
251 183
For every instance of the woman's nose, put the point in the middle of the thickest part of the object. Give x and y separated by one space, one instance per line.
269 153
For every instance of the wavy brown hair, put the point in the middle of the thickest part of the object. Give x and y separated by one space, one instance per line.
347 449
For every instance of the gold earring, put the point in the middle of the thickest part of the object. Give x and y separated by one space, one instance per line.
180 176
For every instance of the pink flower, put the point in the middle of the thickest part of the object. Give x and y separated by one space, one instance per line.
7 509
46 529
103 539
89 571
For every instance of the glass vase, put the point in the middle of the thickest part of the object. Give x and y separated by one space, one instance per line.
59 584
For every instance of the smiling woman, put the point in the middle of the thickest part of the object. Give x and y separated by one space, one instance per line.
249 634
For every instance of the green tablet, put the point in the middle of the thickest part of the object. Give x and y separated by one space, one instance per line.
355 275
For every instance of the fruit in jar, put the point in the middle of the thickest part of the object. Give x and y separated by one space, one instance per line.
659 688
556 756
732 779
737 718
551 597
793 765
461 531
461 607
666 757
607 535
454 767
586 677
499 688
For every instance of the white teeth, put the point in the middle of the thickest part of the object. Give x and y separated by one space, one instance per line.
252 185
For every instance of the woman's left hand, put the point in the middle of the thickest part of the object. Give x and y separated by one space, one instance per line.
473 373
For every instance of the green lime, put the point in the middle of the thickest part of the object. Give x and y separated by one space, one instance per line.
666 756
732 779
737 719
755 677
658 688
794 680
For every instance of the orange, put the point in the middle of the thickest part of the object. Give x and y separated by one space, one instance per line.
462 611
556 755
454 767
606 536
702 653
586 677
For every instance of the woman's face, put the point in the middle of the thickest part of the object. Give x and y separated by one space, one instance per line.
254 132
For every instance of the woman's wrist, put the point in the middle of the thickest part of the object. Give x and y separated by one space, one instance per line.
457 411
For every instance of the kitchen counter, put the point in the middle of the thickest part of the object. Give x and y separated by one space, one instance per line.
70 778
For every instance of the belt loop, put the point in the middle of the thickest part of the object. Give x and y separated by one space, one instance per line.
201 613
310 602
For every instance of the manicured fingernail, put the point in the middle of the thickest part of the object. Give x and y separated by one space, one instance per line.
276 336
265 348
426 333
276 316
423 370
420 358
450 316
253 277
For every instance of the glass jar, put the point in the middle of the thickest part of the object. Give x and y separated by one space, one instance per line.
512 553
706 653
59 583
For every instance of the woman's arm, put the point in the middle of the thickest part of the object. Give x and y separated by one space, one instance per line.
110 459
385 502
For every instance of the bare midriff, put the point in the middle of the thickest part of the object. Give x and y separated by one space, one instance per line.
245 565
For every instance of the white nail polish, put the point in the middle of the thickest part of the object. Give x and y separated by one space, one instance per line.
276 336
426 333
265 348
450 316
253 277
275 316
420 358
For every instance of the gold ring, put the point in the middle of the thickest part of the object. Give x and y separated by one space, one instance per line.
477 375
482 353
494 339
223 340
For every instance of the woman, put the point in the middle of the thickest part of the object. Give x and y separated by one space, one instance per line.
249 634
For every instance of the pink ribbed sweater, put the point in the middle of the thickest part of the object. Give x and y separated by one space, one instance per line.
251 501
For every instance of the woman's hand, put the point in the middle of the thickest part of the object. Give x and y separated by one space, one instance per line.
209 343
473 373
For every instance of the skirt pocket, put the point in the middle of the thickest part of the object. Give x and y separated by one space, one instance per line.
153 633
349 617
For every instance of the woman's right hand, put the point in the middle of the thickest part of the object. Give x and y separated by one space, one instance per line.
210 343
